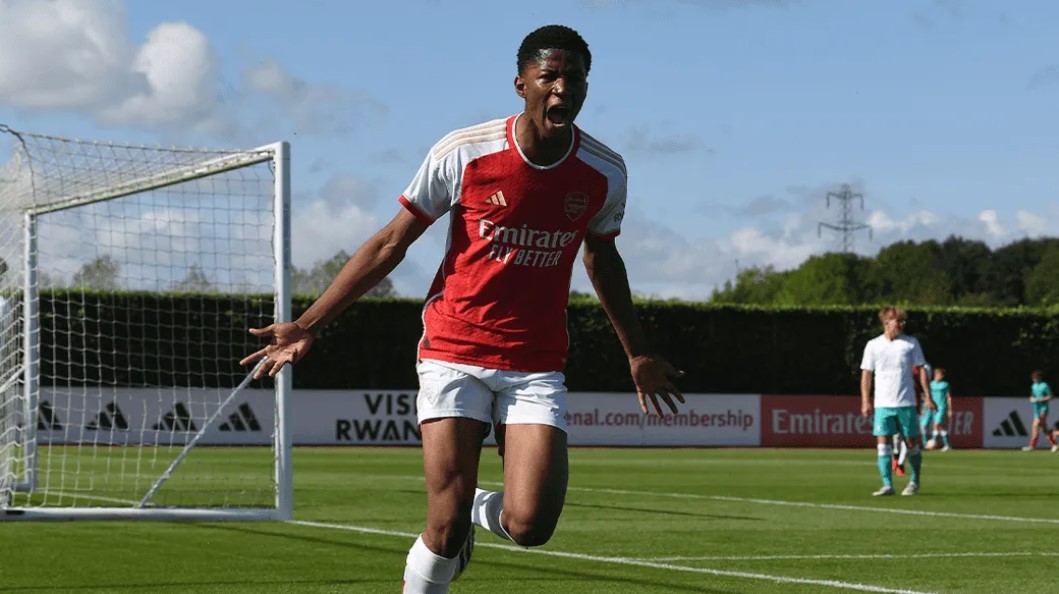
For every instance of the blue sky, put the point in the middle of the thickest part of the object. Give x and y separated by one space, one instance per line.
735 118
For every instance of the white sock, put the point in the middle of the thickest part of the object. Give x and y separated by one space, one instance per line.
486 511
902 452
426 572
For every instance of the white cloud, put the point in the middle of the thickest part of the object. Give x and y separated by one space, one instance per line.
334 221
787 250
881 223
991 219
665 262
74 55
1031 224
181 71
311 108
64 54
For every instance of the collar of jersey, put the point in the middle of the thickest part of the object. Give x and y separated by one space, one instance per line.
514 143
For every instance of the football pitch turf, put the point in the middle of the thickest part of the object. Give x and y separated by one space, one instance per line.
636 520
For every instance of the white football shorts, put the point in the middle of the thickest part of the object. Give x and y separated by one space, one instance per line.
490 395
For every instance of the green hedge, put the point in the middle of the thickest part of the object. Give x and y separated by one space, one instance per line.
196 340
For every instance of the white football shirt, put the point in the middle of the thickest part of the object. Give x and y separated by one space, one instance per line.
892 361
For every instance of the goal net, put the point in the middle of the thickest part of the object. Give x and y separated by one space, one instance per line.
129 276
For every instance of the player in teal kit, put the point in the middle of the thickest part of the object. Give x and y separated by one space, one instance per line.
1040 396
941 417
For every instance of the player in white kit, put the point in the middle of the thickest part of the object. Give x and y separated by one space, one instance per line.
888 363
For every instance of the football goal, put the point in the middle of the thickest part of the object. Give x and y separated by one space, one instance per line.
129 276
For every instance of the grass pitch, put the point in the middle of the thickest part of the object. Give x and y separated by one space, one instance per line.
636 520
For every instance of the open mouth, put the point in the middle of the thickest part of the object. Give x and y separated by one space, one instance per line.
558 115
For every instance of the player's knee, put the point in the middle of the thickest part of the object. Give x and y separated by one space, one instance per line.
530 532
446 535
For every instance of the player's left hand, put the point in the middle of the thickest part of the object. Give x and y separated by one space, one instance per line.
654 376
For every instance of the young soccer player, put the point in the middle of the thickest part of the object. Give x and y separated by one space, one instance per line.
888 363
941 393
523 194
1040 396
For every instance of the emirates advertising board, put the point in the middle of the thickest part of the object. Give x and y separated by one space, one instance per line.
836 421
162 416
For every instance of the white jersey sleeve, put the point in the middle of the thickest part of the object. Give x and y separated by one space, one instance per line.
867 362
607 222
431 190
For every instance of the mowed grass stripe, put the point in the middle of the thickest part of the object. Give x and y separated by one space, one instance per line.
381 489
776 579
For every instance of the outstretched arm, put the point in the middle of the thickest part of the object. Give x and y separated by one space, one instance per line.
651 373
372 262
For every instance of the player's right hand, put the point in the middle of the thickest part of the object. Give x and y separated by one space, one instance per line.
654 376
288 343
866 409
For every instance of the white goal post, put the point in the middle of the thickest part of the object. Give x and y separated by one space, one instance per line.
129 276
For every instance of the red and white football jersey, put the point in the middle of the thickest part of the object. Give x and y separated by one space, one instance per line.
499 298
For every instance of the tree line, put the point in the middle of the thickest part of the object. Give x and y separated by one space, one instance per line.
955 271
103 273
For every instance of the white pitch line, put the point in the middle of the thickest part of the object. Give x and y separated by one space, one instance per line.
885 510
777 579
828 557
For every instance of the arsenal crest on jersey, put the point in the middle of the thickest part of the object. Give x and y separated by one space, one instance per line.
575 205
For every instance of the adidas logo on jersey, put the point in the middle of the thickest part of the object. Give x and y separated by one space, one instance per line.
497 199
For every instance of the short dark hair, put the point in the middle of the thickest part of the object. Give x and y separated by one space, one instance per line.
553 37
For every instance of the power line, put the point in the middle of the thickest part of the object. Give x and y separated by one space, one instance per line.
846 225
